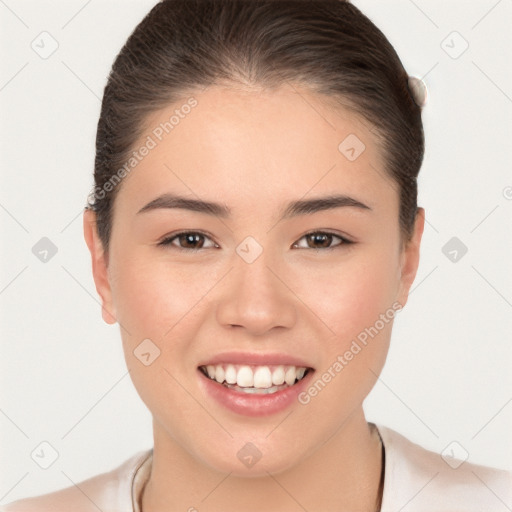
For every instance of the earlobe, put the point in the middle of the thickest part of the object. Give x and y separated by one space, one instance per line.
410 258
99 266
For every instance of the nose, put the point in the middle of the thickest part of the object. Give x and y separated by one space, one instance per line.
257 297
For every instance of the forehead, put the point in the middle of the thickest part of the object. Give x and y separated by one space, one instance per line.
240 145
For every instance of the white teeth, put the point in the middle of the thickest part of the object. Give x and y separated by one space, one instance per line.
262 377
255 377
211 371
230 375
219 374
289 376
244 377
278 376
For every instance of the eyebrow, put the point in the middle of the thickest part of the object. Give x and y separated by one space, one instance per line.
292 209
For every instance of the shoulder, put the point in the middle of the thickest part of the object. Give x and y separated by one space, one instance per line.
426 481
108 492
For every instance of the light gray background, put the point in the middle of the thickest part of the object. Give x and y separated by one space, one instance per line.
63 374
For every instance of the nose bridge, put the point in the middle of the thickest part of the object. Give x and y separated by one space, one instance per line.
256 297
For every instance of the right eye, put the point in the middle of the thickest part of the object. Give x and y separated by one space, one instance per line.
190 238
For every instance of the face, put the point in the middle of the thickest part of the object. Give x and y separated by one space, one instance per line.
255 290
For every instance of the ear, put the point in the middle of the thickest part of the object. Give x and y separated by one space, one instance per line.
99 266
410 258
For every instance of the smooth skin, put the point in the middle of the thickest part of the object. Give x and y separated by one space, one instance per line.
254 151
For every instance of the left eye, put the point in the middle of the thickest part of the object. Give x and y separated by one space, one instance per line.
324 238
194 240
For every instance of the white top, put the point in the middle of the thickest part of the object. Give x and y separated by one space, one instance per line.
416 480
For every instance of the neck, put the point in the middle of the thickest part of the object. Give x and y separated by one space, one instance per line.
343 474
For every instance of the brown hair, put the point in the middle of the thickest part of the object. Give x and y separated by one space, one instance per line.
327 45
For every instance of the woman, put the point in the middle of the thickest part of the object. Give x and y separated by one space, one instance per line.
254 230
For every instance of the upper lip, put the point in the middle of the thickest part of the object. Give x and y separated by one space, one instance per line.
255 358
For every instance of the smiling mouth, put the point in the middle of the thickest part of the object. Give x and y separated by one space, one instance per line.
257 379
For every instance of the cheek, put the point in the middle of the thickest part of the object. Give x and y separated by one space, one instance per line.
155 305
351 296
152 296
358 307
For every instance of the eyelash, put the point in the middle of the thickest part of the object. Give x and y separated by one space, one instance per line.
168 241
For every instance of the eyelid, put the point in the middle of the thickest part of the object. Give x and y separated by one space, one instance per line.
166 240
345 240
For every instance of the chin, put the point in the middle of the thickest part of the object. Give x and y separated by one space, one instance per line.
246 460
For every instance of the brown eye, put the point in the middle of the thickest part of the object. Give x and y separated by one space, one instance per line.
322 240
186 240
191 239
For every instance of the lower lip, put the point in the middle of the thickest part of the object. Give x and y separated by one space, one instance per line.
252 404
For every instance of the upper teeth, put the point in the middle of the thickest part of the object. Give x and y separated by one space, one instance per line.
255 376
